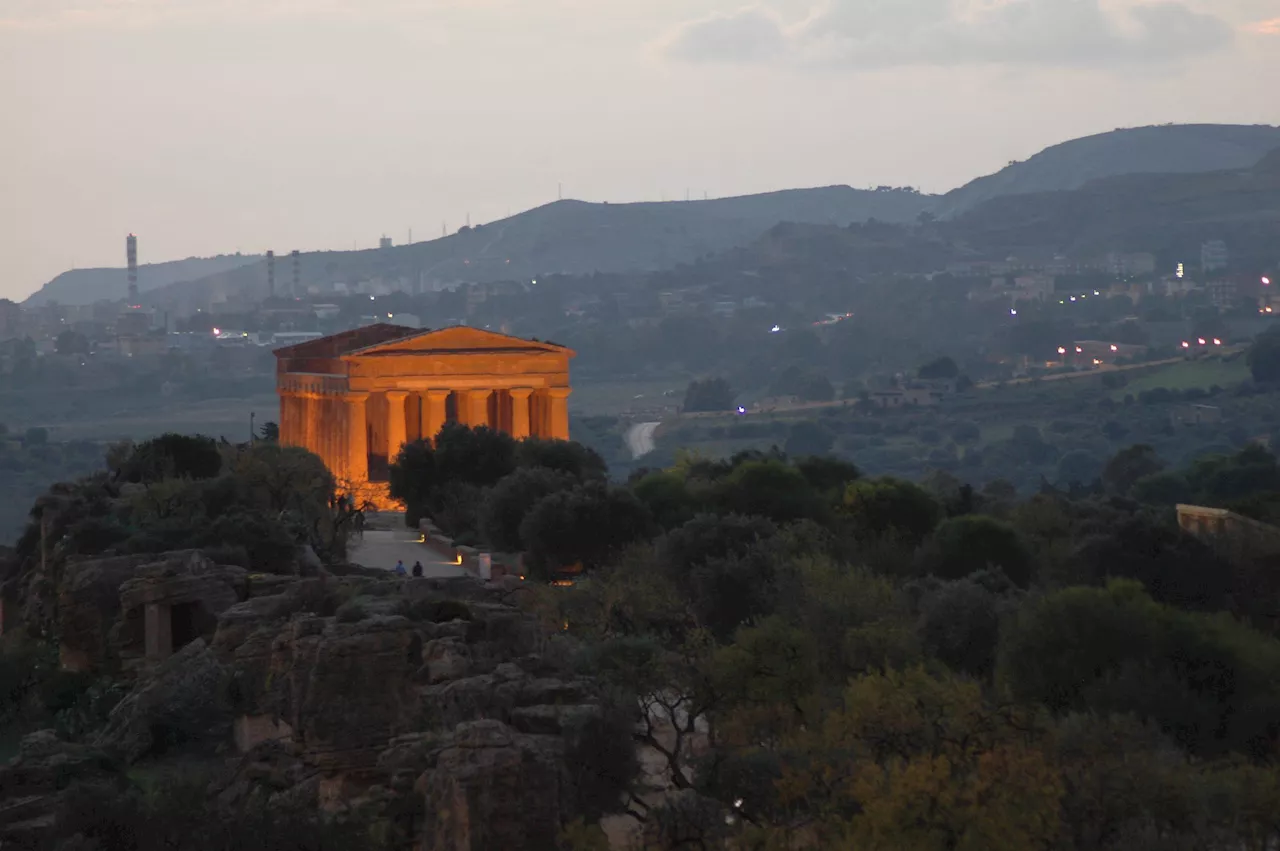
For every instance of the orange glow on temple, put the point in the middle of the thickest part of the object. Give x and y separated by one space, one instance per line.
356 397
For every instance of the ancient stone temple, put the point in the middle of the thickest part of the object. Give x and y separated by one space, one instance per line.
354 398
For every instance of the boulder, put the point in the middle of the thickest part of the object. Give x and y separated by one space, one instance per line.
182 700
446 659
491 788
345 689
32 785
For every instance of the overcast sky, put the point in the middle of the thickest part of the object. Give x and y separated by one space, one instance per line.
211 126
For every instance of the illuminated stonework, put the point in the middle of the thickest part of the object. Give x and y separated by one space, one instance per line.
356 397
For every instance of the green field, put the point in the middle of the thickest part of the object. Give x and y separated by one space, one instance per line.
1205 373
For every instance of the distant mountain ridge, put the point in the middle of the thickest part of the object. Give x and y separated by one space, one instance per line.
573 237
577 237
1167 214
1169 149
85 286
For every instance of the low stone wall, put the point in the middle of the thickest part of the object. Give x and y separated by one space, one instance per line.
470 558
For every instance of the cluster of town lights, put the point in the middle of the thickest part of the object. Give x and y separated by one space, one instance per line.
1202 342
1081 296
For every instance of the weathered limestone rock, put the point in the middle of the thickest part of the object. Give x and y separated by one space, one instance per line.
181 700
178 601
490 788
117 609
446 659
33 783
89 606
345 689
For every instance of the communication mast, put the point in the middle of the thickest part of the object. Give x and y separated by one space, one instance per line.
271 274
131 253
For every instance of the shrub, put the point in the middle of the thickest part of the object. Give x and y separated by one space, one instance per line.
352 611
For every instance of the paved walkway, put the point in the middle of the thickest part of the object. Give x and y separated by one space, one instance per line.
386 540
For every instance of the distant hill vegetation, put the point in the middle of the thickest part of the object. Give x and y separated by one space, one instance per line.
1166 214
1178 148
576 237
85 286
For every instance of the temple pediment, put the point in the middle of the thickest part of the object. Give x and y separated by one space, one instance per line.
458 339
336 345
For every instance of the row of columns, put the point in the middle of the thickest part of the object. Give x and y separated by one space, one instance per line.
335 426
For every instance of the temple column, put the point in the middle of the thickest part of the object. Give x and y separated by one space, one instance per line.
283 420
520 412
476 407
558 403
433 413
310 411
326 435
396 428
357 454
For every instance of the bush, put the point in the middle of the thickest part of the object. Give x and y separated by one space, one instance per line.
352 611
966 545
1209 682
960 625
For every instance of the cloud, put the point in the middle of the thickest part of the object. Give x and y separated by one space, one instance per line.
886 33
747 35
1271 27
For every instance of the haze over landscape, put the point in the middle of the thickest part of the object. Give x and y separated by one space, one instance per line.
216 126
480 425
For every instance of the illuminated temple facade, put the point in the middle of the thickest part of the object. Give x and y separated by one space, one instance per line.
354 398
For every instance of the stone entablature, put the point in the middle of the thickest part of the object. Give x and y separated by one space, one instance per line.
1233 534
355 398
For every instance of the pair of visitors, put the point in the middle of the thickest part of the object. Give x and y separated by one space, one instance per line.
417 568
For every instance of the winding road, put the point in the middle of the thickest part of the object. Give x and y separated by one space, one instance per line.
640 439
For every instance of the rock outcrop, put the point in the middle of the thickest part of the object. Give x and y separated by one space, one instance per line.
34 782
103 606
439 711
182 701
491 787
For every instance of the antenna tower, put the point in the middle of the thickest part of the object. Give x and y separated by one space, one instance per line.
131 254
271 274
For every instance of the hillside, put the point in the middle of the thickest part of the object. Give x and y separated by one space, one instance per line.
1166 214
1183 148
575 237
85 286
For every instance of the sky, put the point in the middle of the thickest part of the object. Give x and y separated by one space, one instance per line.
215 126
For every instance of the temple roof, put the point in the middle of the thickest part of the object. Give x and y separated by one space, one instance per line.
344 342
457 339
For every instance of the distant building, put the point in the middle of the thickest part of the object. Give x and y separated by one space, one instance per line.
1222 292
385 242
1034 287
906 397
1197 415
1213 255
1131 264
10 319
133 322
